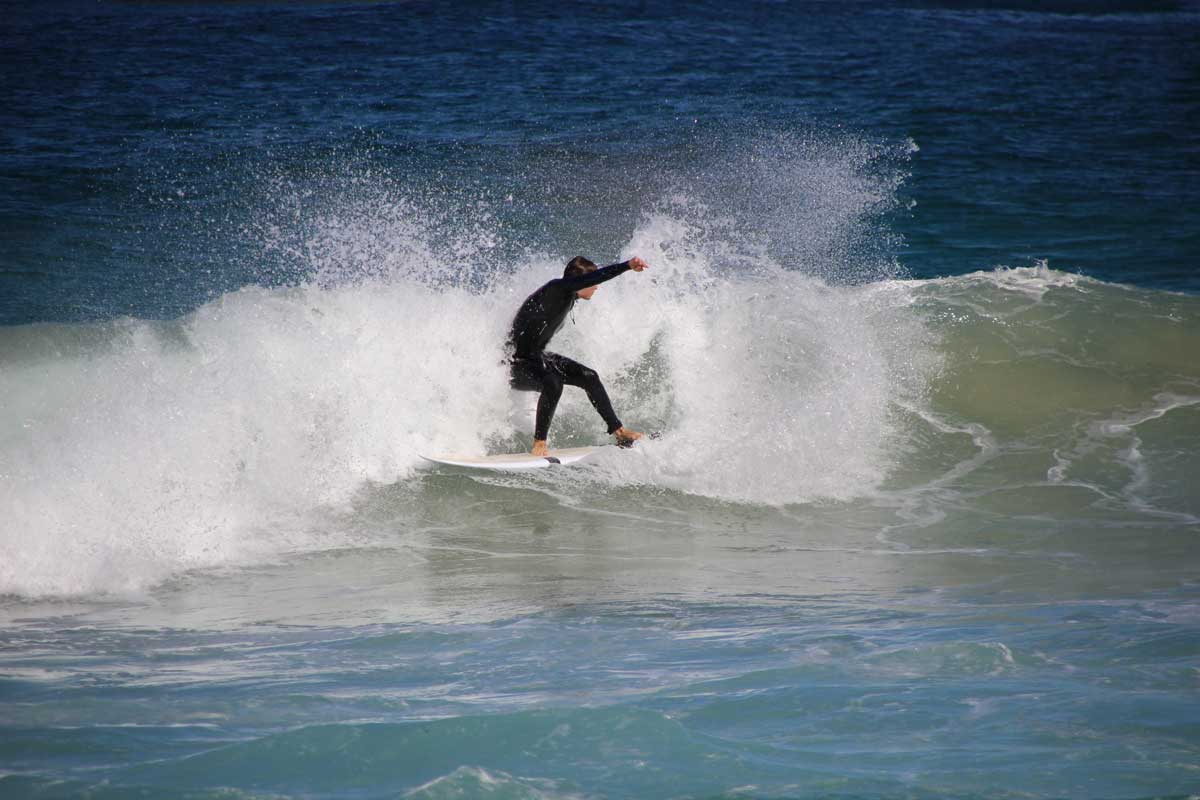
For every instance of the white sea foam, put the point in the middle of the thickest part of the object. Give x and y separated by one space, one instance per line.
166 452
773 389
210 441
135 451
225 437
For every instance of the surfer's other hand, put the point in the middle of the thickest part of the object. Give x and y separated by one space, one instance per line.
637 265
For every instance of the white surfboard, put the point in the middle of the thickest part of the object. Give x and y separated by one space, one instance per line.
516 461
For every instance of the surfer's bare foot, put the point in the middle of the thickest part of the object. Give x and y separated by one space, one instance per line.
626 437
539 448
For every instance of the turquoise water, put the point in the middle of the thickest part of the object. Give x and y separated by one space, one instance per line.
920 334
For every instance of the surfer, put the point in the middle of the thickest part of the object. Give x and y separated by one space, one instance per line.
535 369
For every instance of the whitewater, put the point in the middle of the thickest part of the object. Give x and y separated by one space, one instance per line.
139 450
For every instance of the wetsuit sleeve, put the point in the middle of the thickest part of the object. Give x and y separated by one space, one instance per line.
577 282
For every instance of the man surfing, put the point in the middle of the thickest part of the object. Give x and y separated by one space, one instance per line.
533 368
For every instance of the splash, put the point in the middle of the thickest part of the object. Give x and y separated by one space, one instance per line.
138 450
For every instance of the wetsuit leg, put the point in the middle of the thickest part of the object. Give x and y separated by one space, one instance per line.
530 375
547 375
575 374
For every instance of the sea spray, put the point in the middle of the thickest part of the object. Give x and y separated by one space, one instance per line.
205 441
138 450
776 387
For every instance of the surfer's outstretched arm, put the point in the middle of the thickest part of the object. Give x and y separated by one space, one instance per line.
598 276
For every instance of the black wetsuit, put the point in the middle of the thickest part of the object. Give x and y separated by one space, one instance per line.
534 369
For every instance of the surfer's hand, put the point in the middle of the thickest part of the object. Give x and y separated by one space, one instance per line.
637 265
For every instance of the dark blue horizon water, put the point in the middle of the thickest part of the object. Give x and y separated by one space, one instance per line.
136 138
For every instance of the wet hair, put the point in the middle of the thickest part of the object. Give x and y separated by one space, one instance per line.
578 266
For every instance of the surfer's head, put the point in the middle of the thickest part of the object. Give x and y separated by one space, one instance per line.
580 266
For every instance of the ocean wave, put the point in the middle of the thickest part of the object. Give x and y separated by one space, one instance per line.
132 451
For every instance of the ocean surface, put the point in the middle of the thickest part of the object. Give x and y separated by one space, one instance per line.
920 333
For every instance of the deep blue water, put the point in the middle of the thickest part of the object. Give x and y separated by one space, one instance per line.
135 137
921 333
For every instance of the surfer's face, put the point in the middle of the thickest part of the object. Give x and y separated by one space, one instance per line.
586 294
